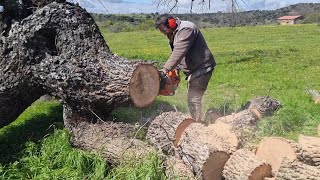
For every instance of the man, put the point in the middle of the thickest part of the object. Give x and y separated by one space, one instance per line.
190 54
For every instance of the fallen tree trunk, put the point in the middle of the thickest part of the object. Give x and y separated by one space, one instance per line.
16 10
243 164
274 149
296 170
59 51
310 150
114 141
205 150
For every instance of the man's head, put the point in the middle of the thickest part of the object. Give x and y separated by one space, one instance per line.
166 24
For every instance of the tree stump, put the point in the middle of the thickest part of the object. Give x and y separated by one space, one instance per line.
310 150
205 150
165 130
59 51
274 149
243 164
296 170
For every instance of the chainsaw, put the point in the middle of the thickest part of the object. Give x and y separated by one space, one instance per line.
169 82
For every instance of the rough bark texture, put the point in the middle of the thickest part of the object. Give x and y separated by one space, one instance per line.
175 168
243 164
296 170
166 129
310 150
16 10
206 149
244 123
263 106
274 149
58 50
260 106
315 96
115 141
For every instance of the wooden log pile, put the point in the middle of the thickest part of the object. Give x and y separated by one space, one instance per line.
219 150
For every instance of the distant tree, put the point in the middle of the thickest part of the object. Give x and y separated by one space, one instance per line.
174 4
311 18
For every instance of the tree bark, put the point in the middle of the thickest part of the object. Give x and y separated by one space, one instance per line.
260 106
274 149
205 150
243 164
315 96
165 130
310 150
244 123
16 10
115 141
58 50
296 170
175 168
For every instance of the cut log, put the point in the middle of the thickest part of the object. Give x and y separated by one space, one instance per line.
260 106
297 170
310 150
263 106
244 164
114 141
244 123
274 149
315 96
166 129
59 51
206 149
240 120
175 168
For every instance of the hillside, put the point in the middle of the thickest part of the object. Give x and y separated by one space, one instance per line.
310 11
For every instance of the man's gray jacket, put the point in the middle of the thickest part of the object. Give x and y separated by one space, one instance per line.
190 51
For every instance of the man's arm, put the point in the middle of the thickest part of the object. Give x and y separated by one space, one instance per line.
184 41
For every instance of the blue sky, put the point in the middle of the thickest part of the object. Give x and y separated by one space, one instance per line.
150 6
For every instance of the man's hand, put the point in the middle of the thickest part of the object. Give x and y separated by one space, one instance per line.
164 70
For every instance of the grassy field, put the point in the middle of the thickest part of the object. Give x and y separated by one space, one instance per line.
279 61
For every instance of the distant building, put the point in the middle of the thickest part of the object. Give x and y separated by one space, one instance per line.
287 20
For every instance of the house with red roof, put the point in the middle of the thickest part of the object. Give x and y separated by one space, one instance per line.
288 20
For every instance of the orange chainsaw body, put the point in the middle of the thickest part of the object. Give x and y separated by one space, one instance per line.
169 82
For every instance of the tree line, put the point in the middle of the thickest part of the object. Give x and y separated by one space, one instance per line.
130 22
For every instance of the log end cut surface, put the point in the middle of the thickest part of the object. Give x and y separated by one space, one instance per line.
261 172
213 167
274 149
144 85
180 130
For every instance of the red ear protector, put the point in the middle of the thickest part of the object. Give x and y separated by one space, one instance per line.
172 23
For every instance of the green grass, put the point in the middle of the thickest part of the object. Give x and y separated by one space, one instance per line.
279 61
36 122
